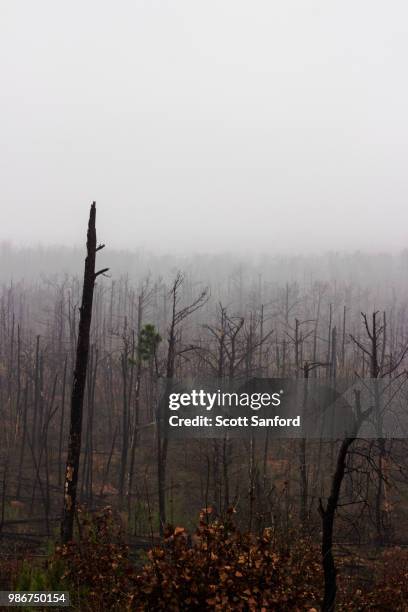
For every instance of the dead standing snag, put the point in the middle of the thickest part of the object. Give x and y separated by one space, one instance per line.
328 511
79 379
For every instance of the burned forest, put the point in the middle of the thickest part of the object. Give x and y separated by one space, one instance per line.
204 306
97 500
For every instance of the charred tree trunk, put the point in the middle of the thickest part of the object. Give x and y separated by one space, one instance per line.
328 513
135 424
162 440
177 318
79 380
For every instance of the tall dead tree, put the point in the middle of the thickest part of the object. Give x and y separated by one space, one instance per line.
328 511
79 380
375 350
177 317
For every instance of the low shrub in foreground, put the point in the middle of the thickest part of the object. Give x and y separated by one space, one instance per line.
215 568
219 568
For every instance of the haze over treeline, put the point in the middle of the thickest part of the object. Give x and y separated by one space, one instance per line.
365 269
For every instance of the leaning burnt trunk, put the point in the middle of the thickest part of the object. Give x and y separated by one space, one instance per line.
79 380
328 513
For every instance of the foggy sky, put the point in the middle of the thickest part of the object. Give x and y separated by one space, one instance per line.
205 126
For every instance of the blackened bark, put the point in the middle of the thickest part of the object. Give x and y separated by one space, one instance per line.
79 379
328 513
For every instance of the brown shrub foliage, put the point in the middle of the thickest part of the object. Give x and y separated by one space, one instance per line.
97 565
219 568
